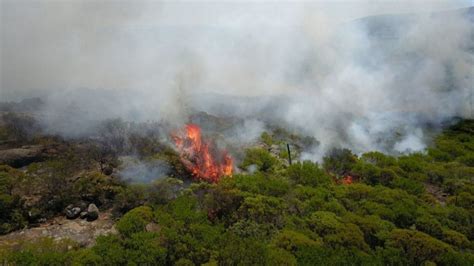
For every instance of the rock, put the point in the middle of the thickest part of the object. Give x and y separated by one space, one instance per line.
152 227
83 215
108 170
73 213
23 156
92 212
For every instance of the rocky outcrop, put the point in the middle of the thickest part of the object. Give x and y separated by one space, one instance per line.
72 212
23 156
83 211
81 231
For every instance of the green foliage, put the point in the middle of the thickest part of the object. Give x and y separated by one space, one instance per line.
110 248
86 257
339 161
335 232
409 185
464 200
280 257
262 184
429 225
12 216
293 241
261 158
43 251
223 202
375 229
145 248
414 162
242 251
96 187
130 197
327 256
308 173
262 209
164 190
455 238
379 159
418 247
134 221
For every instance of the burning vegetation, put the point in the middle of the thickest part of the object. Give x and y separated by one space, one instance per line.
203 160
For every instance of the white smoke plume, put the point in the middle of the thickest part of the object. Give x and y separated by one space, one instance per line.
357 74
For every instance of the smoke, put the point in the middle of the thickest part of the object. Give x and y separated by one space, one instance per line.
362 75
137 171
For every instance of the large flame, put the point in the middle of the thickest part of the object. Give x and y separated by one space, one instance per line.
200 157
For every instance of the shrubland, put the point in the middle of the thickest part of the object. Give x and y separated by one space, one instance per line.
277 214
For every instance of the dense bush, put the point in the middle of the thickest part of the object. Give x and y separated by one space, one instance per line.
415 209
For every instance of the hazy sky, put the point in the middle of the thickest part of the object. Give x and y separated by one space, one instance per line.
126 44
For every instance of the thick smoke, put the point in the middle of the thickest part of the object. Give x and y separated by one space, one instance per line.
359 75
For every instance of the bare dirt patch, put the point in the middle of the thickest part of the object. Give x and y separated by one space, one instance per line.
79 230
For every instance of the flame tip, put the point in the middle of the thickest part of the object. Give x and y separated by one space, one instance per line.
198 158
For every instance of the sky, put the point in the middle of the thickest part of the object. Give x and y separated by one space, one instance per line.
54 45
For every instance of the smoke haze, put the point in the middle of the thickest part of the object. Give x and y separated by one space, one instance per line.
357 74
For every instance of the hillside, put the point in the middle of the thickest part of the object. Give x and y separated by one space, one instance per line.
369 209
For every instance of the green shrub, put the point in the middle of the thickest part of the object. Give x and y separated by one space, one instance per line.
456 239
134 221
417 246
339 161
264 161
262 184
308 173
429 225
242 251
110 249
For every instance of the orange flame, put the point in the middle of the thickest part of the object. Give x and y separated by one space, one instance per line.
199 157
347 180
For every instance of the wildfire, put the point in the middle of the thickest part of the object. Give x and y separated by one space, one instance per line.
200 157
347 180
